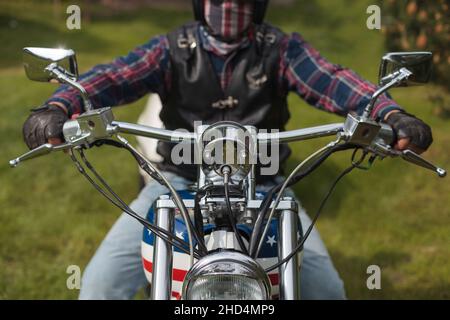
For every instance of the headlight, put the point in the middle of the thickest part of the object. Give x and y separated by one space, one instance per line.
226 275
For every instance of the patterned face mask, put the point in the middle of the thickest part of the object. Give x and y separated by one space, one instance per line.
228 20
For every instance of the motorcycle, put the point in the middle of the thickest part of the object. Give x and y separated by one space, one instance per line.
208 243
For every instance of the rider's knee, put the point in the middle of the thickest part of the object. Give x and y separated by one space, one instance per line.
324 290
95 285
319 279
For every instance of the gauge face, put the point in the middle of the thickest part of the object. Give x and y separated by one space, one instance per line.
226 152
227 144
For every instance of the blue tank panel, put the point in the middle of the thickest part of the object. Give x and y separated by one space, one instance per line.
268 250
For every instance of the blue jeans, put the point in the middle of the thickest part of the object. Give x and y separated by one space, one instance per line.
116 272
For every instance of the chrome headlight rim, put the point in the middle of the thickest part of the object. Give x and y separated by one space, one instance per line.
249 269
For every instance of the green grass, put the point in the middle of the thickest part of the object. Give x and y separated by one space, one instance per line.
396 216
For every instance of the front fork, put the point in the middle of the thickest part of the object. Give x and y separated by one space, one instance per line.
288 239
162 257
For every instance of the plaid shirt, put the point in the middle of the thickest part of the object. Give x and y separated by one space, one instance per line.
302 69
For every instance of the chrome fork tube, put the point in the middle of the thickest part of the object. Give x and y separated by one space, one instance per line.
251 180
161 286
289 272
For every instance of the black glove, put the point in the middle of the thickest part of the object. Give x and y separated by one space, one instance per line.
408 126
44 122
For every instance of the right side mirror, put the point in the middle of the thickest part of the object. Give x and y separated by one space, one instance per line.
419 63
36 61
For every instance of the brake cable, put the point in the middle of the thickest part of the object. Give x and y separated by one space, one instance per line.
313 222
124 207
226 178
176 198
326 151
270 194
356 164
87 163
176 242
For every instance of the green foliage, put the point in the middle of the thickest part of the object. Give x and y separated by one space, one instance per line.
421 25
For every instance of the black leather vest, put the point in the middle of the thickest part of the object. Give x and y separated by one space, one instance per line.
252 97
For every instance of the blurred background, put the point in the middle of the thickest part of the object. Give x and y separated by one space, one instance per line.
396 215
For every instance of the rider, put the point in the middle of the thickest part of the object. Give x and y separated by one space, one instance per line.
228 65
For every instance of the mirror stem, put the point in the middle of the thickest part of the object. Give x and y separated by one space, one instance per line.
62 77
403 74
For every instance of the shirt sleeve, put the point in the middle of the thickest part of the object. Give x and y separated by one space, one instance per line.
125 80
325 85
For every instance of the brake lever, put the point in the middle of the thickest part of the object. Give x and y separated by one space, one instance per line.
40 151
382 150
377 138
414 158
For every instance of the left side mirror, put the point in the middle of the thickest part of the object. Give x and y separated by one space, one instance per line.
418 63
36 61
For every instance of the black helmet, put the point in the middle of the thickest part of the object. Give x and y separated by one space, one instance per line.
258 17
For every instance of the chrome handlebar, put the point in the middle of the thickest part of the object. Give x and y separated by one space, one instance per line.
361 132
155 133
179 136
302 134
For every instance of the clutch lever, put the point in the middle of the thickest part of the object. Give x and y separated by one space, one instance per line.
73 133
40 151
